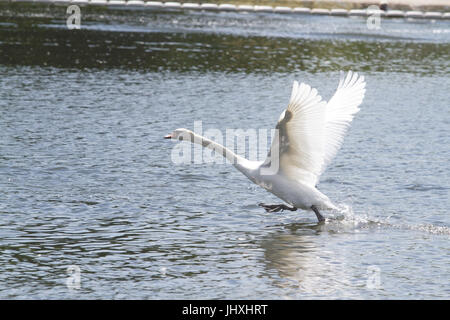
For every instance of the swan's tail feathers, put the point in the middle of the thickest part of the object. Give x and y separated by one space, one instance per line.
327 205
331 206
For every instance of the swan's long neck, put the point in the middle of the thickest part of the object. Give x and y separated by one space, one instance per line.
247 167
218 148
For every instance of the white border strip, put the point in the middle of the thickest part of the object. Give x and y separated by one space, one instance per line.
248 8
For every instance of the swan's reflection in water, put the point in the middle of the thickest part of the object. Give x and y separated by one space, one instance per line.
299 259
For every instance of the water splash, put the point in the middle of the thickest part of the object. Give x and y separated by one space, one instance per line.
428 228
346 220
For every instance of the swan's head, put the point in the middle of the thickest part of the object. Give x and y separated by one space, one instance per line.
181 134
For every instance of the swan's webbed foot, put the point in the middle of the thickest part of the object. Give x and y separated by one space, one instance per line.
318 215
276 207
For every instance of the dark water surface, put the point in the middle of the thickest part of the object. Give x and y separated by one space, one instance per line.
86 179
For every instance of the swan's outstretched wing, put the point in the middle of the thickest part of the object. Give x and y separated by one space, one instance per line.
310 131
299 139
340 111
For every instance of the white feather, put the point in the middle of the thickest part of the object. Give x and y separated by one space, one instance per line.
316 130
340 111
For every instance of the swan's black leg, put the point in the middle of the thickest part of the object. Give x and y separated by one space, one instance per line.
276 207
318 215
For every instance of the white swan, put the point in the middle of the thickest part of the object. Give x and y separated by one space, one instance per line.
310 133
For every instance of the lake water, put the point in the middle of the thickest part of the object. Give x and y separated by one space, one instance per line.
88 187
